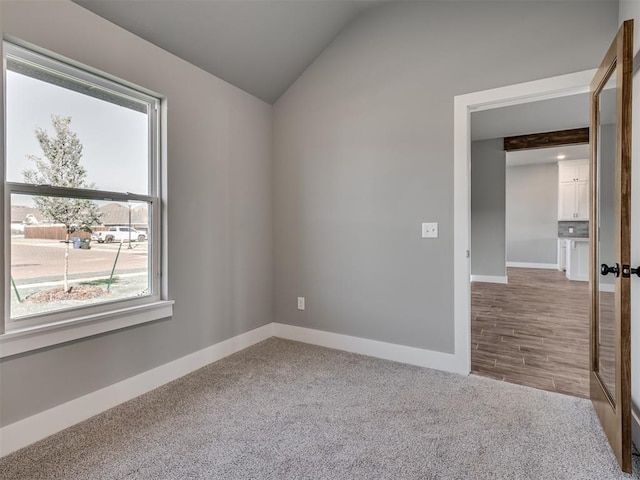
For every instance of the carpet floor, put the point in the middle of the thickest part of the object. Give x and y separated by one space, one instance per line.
287 410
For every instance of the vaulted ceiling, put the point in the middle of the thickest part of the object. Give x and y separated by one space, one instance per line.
260 46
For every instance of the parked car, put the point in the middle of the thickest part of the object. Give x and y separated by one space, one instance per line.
119 234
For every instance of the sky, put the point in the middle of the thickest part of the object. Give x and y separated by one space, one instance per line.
114 138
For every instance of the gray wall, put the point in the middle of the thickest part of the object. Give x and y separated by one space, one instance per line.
488 208
363 152
219 182
631 9
532 213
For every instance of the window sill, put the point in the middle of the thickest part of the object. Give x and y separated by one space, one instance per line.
33 338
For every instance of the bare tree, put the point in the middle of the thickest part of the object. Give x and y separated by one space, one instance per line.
61 167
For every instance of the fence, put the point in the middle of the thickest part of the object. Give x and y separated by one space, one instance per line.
55 233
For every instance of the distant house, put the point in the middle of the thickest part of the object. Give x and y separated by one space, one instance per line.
118 214
22 215
26 215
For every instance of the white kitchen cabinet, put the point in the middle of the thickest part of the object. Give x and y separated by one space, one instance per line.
577 259
567 201
573 194
562 254
583 171
573 171
582 200
573 201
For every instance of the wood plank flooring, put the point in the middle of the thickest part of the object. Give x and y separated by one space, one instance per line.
534 331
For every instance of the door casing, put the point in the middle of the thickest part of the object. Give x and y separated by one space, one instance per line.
554 87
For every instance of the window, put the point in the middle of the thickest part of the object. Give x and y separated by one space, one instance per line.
81 179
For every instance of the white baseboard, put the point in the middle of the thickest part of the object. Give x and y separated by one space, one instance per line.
545 266
373 348
635 428
29 430
39 426
489 279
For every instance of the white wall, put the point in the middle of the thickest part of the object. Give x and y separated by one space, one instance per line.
219 190
631 9
363 153
532 213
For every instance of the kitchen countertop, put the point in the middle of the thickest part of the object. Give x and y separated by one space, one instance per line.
577 239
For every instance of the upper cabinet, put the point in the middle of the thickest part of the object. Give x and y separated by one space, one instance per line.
573 190
573 171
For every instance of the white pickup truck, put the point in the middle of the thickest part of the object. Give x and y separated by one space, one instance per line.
119 234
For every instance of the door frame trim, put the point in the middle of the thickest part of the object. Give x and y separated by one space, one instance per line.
548 88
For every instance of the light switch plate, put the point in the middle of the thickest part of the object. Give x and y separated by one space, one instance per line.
300 303
429 230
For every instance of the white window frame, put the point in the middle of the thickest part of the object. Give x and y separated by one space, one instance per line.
29 333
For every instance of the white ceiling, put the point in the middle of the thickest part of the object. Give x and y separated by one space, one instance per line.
562 113
547 155
260 46
535 117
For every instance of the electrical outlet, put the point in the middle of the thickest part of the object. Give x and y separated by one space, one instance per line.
429 230
570 229
300 303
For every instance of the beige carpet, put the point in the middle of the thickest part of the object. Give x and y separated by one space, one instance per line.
286 410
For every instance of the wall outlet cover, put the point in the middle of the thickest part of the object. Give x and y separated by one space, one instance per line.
300 303
429 230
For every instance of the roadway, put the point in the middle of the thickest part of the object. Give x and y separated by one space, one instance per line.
37 260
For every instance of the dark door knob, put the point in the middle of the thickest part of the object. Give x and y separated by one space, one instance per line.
606 269
628 270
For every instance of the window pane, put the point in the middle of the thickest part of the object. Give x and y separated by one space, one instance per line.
108 139
104 265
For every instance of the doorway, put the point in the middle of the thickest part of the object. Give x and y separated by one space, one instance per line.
529 312
611 82
556 87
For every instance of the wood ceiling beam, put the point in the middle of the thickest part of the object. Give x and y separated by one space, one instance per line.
548 139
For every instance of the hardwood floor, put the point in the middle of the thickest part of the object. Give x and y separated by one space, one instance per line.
534 331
